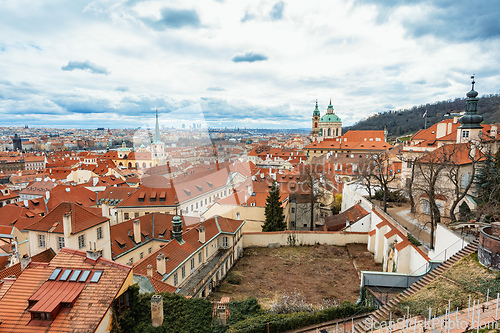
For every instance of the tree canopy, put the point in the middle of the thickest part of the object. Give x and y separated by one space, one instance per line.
275 219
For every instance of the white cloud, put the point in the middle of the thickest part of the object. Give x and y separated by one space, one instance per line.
363 55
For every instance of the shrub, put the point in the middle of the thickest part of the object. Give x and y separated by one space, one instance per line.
233 278
392 196
290 303
413 240
181 314
286 322
464 211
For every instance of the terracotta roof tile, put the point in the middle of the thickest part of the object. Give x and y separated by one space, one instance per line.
90 306
177 253
122 234
81 219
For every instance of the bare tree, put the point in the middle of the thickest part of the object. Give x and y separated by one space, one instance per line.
411 161
429 170
375 171
312 184
382 174
466 155
365 175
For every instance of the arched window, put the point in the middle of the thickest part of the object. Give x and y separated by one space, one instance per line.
329 132
315 125
129 164
121 164
143 164
337 132
136 165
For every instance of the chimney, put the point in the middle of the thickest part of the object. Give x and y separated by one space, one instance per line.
149 270
137 231
156 310
201 234
26 204
161 265
105 209
67 225
94 254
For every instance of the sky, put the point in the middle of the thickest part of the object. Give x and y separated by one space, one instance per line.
253 64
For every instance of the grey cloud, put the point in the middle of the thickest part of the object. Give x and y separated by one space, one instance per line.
122 89
455 21
172 18
85 66
277 11
249 57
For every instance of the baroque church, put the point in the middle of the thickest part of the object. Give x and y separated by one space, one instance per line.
327 137
327 127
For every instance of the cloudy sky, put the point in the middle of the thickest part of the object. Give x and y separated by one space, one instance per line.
238 63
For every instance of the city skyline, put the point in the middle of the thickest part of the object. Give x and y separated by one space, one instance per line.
90 64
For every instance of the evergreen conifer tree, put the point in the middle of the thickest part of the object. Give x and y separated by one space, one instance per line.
275 220
488 187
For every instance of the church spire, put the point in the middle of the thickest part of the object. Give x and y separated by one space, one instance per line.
316 110
330 107
471 119
157 129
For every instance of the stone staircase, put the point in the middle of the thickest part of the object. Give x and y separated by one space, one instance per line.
383 313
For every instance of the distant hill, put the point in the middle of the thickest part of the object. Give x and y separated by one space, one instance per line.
401 122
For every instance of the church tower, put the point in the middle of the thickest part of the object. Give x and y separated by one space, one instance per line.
470 127
330 124
157 147
315 123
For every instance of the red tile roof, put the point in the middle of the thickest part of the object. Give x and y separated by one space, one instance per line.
15 270
177 253
338 222
89 308
122 234
81 219
77 194
162 287
142 197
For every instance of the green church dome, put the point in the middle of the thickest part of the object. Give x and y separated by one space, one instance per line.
330 118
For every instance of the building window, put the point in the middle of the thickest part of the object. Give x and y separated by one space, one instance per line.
176 279
199 257
293 210
81 241
99 233
41 240
136 214
192 264
149 250
218 244
465 134
183 272
60 242
225 241
125 216
141 255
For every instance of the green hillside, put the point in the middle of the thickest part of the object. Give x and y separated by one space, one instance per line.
400 122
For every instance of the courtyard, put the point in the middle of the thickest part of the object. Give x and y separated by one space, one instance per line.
321 274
